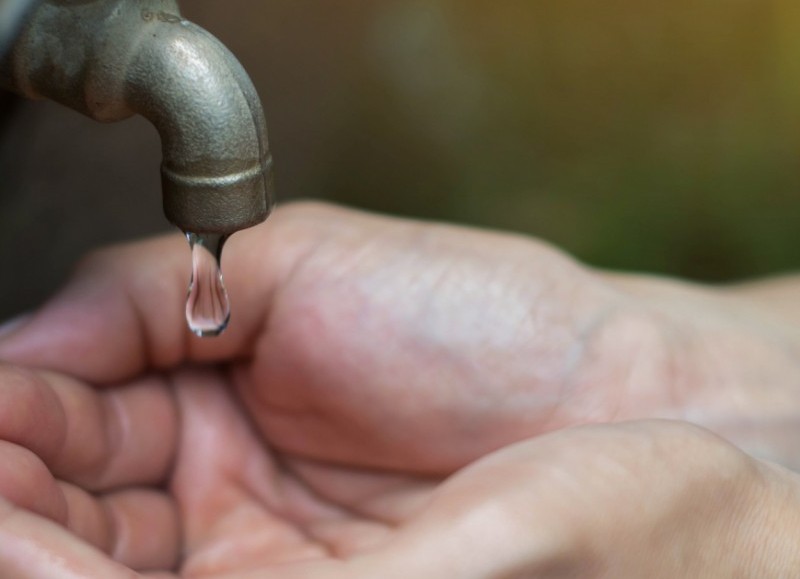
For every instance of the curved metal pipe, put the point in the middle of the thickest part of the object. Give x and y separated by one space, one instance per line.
110 59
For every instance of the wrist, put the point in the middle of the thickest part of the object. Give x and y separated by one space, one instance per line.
735 366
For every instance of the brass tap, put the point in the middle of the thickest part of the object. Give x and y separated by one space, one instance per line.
110 59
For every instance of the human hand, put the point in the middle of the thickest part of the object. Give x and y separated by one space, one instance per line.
178 474
395 344
365 343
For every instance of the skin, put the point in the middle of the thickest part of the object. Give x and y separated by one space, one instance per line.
397 399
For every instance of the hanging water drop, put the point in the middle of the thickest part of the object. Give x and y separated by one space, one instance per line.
207 307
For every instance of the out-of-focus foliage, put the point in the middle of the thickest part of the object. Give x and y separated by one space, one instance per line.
644 135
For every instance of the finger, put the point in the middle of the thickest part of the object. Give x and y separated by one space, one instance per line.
97 439
138 528
123 309
26 482
32 547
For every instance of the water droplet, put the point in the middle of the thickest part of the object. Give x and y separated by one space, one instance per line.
207 307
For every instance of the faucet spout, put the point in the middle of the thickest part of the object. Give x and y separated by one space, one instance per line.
110 59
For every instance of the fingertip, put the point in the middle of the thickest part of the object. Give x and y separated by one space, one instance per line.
26 482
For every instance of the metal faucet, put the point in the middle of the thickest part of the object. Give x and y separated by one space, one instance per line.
111 59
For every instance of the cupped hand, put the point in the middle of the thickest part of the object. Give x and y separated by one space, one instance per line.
374 357
395 344
168 476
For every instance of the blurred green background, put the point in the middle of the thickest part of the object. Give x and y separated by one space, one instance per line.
636 135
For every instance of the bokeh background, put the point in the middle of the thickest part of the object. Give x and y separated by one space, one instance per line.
636 135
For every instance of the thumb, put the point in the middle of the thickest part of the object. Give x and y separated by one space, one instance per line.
123 310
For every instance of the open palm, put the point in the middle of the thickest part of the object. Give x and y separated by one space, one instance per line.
166 475
168 470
